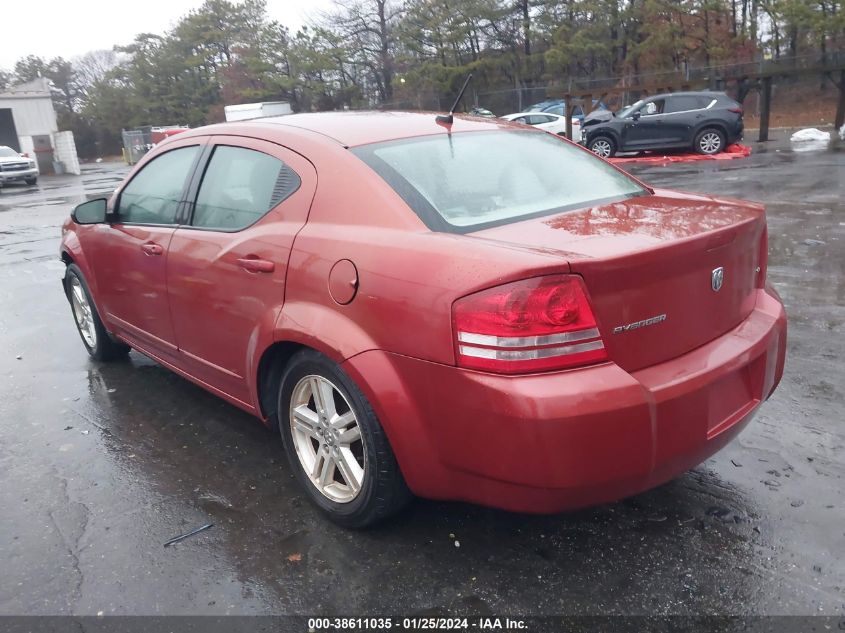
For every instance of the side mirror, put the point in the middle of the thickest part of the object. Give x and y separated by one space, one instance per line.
636 116
91 212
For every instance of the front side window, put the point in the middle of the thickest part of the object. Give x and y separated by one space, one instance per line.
629 110
464 182
239 186
153 195
653 107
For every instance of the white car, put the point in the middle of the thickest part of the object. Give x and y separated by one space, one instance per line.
16 167
547 121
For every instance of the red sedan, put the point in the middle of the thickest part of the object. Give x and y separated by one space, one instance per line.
475 311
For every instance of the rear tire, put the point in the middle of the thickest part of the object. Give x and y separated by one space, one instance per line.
603 146
99 343
710 141
335 445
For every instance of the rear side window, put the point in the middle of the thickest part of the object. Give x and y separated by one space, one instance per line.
153 195
723 101
682 103
467 181
239 186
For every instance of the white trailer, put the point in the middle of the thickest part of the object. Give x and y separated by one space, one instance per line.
247 111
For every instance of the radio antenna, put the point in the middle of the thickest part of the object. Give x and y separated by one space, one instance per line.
448 118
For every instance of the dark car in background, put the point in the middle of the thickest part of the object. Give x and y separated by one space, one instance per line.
706 122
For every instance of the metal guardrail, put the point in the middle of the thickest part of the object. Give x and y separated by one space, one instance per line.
703 74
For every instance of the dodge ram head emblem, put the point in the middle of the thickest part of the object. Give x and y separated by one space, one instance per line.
716 278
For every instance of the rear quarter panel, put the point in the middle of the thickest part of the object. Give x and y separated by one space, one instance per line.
408 276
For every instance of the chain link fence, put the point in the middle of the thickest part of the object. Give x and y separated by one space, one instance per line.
136 143
616 92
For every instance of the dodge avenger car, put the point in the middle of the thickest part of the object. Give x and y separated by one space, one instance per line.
473 310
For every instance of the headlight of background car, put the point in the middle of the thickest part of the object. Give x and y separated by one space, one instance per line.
32 163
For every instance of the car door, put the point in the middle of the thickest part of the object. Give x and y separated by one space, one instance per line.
645 132
131 249
227 263
545 122
681 115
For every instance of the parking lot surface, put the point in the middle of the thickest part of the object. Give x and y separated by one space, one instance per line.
101 464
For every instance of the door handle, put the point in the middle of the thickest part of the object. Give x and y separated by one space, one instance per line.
255 265
151 248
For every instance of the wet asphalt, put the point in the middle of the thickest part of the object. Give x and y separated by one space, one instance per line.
101 464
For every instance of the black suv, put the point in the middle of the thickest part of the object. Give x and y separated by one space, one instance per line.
705 121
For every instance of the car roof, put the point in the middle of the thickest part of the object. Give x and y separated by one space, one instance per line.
532 113
361 128
688 93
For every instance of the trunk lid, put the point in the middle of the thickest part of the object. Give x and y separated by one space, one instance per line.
649 265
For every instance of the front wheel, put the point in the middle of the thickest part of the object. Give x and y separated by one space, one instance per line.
96 339
31 181
603 146
335 444
709 141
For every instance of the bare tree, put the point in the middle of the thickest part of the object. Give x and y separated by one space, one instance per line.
368 26
93 66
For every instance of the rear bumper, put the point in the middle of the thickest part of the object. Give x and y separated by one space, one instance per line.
737 133
551 442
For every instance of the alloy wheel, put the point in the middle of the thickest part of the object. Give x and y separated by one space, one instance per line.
82 312
601 148
710 143
327 438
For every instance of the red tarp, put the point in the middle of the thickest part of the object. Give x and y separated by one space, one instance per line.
733 151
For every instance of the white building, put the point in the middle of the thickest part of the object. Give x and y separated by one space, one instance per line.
28 124
249 111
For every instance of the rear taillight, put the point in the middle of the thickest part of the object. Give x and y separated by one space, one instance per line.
735 109
533 325
763 258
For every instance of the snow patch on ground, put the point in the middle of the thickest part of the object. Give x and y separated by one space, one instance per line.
810 134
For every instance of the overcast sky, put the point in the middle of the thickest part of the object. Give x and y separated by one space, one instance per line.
69 28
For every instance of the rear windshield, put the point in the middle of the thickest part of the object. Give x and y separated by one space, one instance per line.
472 180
